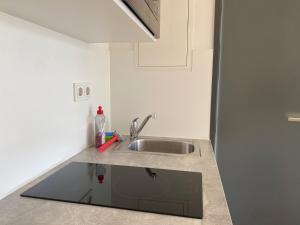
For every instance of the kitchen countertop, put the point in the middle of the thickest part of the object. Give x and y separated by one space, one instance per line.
16 210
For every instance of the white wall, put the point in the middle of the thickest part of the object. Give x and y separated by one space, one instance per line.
40 125
181 99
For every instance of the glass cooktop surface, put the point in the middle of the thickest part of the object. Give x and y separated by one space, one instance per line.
134 188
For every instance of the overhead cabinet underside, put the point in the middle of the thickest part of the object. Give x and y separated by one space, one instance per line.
90 21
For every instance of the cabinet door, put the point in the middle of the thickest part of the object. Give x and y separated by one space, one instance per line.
171 50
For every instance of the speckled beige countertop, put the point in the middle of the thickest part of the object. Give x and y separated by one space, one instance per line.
16 210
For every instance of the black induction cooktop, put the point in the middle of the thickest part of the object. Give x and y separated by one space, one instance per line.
135 188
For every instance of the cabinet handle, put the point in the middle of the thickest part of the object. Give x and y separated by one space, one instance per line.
294 117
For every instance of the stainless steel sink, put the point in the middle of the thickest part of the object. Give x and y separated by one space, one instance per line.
161 146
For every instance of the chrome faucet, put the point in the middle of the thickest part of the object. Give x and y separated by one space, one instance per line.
135 129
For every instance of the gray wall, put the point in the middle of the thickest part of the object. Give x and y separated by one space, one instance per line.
258 151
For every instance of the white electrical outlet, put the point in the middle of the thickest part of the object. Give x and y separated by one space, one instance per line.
82 91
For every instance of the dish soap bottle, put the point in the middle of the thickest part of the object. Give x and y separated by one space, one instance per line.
99 128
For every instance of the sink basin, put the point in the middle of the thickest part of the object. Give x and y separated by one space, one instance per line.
161 146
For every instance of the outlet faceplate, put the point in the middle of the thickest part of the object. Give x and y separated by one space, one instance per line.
82 91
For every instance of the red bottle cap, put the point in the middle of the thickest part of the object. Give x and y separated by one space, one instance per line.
100 111
101 179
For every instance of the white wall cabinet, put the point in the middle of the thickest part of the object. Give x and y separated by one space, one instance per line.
91 21
172 50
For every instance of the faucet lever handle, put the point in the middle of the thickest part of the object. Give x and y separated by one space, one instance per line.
134 127
135 120
134 123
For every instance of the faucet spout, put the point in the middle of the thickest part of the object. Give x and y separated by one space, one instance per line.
145 121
